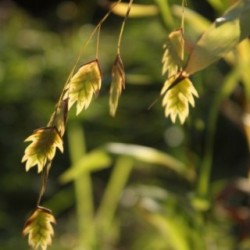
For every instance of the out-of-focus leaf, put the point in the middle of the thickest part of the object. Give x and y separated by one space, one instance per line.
170 229
225 33
117 84
242 63
231 81
42 148
243 50
200 203
95 160
83 85
171 59
220 5
153 193
137 10
178 94
166 13
105 214
39 229
151 156
59 117
139 79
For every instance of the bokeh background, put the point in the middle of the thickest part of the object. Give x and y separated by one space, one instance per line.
159 207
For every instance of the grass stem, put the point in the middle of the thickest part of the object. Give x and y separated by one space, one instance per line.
83 188
112 194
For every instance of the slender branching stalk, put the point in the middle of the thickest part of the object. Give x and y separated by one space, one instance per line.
45 141
98 42
85 44
123 26
43 185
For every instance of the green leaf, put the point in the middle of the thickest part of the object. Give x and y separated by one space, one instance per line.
92 161
166 13
117 84
42 148
83 85
178 94
171 229
171 59
150 156
243 65
220 5
105 214
225 33
38 228
137 10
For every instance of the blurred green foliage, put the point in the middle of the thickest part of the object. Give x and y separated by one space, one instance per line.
143 205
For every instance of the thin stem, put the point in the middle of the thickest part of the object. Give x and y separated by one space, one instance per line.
123 26
206 166
44 175
98 42
85 44
183 14
44 179
204 179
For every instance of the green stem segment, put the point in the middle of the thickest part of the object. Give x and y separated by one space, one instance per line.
166 13
206 166
83 188
44 179
123 26
98 42
112 194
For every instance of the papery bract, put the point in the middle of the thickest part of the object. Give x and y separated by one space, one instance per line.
83 85
39 229
42 148
117 84
178 94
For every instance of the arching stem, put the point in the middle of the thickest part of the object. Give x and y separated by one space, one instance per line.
44 179
123 26
98 42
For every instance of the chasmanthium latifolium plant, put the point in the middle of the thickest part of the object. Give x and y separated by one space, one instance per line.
85 82
79 90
